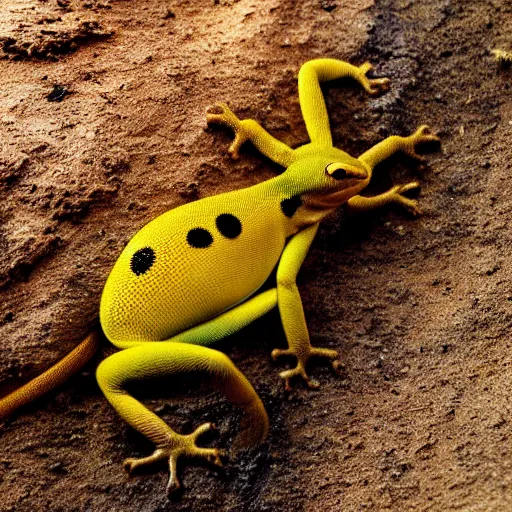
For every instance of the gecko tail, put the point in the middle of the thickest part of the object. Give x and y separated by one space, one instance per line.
51 378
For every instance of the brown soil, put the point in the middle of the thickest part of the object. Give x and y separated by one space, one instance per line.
419 308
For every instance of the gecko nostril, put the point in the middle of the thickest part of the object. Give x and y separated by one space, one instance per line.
142 261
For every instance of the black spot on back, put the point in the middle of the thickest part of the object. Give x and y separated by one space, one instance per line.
228 225
291 205
142 261
199 238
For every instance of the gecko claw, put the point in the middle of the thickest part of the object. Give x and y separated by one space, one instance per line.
408 186
220 113
300 369
174 483
202 429
278 352
338 367
411 205
422 135
372 86
178 446
211 455
313 384
378 85
365 67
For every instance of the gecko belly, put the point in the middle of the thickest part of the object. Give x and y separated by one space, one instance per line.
187 266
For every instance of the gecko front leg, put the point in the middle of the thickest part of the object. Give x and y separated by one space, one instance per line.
395 195
395 144
248 129
312 103
382 151
292 312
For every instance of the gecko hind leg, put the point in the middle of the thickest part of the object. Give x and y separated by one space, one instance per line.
161 359
183 354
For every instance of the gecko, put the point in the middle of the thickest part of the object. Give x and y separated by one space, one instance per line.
192 276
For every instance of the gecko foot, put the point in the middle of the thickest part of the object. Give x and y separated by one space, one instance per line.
372 86
220 113
409 204
421 136
300 369
178 446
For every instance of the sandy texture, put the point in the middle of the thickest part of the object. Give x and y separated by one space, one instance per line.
419 308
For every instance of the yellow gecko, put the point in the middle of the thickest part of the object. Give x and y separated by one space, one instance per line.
191 276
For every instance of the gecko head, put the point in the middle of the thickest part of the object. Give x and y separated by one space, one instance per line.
343 179
329 174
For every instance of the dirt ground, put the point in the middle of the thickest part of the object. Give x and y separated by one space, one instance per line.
102 128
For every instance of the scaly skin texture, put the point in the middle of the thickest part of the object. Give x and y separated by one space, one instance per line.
191 276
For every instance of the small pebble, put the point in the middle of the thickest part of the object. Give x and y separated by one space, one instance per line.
58 94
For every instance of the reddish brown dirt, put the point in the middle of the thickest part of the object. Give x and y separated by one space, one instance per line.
419 308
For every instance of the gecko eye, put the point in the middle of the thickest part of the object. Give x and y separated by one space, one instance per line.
336 171
340 171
